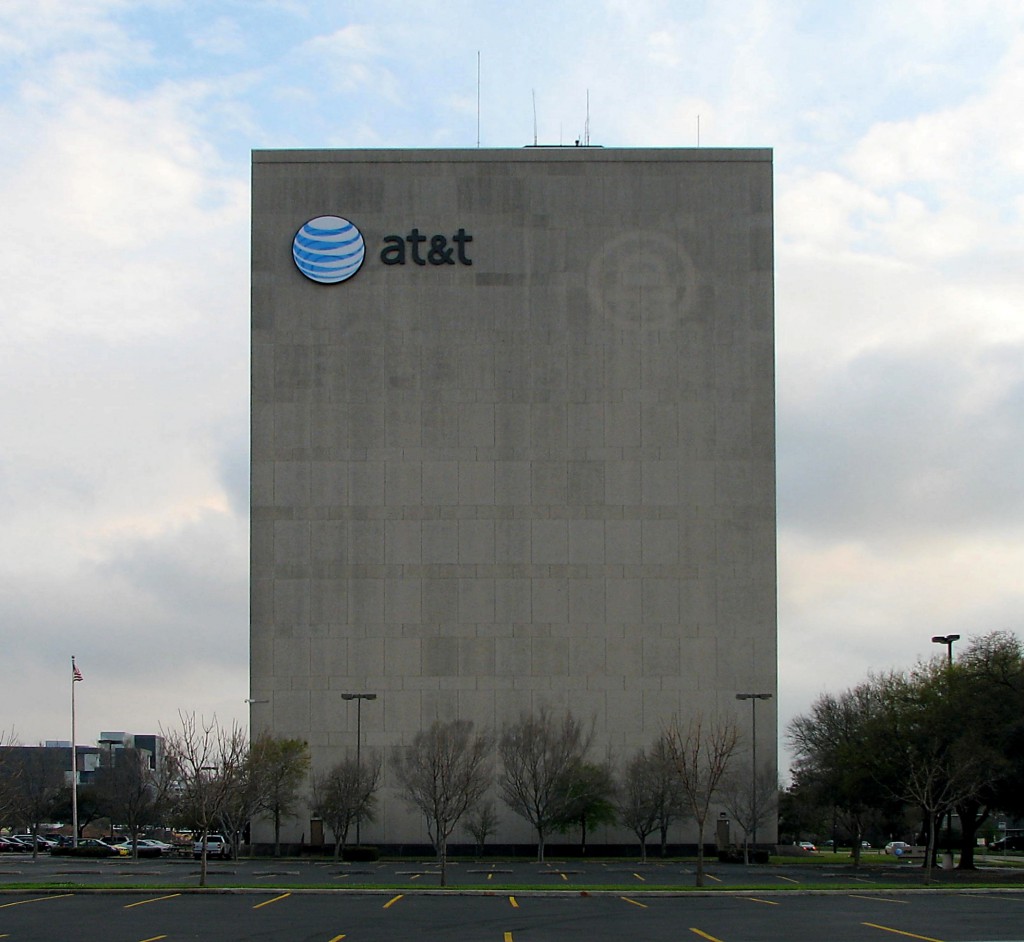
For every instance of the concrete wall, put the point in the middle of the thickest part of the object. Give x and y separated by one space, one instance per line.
543 478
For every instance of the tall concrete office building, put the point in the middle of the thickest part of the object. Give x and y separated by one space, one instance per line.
512 445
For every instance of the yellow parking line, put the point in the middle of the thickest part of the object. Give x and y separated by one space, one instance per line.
155 938
393 900
711 876
35 899
337 938
564 877
704 935
490 876
787 879
754 899
267 902
912 935
155 899
640 878
879 899
508 937
512 900
626 899
416 876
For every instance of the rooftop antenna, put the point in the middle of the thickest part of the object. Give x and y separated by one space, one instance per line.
478 98
534 91
698 131
586 127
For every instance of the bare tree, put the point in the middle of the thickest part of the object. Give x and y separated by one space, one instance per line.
638 800
38 783
750 799
248 794
9 772
537 753
204 760
344 794
482 824
701 754
444 772
130 791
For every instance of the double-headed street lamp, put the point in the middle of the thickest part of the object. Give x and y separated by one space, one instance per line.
359 698
947 640
753 698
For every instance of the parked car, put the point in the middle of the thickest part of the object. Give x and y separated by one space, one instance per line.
893 846
43 843
1011 842
217 845
808 846
13 846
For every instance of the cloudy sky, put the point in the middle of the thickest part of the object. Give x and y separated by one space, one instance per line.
126 128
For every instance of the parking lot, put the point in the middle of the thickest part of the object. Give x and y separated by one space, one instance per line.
509 917
554 874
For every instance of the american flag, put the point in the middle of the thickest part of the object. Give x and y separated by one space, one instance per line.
76 674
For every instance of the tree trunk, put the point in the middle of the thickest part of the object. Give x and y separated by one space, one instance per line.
442 852
700 853
540 846
583 836
972 814
202 859
664 839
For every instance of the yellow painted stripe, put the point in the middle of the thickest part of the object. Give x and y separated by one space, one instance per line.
711 876
508 937
787 879
155 899
754 899
393 900
564 877
704 935
490 876
155 938
512 900
337 938
912 935
879 899
37 899
267 902
633 901
416 876
640 878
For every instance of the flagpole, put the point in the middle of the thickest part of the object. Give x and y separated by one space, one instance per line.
74 762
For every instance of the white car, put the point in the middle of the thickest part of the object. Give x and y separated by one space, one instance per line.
217 845
808 846
897 847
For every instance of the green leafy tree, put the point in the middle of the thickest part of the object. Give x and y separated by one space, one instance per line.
588 799
284 766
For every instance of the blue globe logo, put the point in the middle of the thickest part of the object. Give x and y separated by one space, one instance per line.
328 249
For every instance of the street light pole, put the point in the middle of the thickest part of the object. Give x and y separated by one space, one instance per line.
948 640
753 698
359 698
